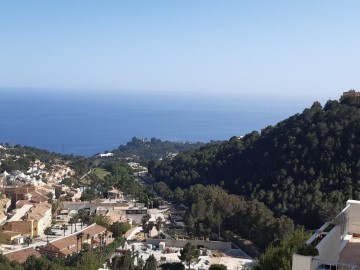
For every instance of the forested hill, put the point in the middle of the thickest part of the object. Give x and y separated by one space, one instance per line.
306 166
144 149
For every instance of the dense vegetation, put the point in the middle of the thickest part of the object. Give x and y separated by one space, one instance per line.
211 210
279 257
85 260
118 175
306 166
153 149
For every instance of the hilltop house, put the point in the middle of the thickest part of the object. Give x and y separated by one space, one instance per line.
350 93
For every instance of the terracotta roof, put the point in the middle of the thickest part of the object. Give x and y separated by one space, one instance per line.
22 202
37 196
38 211
67 245
22 254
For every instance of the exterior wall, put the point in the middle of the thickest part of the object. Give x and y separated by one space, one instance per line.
43 223
136 217
300 262
354 216
18 191
329 247
222 246
23 227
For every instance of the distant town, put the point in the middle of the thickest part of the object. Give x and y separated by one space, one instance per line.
44 214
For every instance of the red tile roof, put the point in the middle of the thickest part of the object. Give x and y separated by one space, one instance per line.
22 254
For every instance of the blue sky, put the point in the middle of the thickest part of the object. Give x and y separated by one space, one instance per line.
295 49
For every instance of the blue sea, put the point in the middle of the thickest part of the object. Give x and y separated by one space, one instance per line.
86 123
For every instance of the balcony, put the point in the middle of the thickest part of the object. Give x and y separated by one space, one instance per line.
338 243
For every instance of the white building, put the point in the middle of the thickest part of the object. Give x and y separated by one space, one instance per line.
106 155
339 248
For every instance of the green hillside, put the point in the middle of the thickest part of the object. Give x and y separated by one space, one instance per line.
153 149
306 166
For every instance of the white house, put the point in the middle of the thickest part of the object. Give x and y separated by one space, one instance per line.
339 247
106 155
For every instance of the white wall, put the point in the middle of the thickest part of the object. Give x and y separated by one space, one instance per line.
214 245
300 262
329 247
329 250
354 216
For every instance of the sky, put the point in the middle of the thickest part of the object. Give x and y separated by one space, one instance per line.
292 49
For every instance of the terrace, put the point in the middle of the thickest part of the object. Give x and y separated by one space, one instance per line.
338 243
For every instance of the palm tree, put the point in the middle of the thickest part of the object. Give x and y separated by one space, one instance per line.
72 221
133 251
81 239
88 237
77 242
64 228
140 263
158 225
92 242
106 233
81 216
101 238
47 232
28 240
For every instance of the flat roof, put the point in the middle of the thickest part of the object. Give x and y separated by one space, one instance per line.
350 253
20 212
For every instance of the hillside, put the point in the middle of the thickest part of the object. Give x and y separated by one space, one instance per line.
306 166
153 149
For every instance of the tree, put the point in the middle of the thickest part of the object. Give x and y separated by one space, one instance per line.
6 264
125 262
83 216
150 263
74 220
100 220
28 240
101 238
87 237
47 232
119 228
86 247
90 261
71 222
79 236
158 225
64 228
172 266
144 224
189 254
218 267
279 257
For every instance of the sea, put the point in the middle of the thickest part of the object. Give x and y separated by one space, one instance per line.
90 122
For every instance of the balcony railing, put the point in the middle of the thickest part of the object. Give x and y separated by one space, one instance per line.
329 265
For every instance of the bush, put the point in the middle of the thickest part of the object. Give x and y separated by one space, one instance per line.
218 267
172 266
